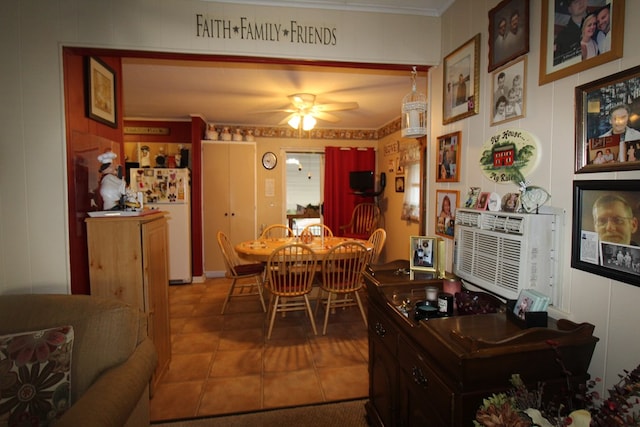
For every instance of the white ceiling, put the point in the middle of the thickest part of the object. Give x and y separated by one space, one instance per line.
246 94
239 93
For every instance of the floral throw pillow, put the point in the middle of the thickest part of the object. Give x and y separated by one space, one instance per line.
35 376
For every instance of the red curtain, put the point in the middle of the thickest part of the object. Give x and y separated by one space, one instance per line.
338 198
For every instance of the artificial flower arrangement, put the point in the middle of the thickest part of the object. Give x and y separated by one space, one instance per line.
521 407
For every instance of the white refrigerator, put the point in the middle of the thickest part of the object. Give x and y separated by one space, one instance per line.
169 190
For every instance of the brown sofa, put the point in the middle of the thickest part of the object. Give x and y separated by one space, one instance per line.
112 357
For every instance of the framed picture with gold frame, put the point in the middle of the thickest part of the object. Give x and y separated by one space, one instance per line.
461 87
508 92
448 157
446 204
563 53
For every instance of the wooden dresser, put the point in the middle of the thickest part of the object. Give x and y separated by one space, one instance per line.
128 261
436 372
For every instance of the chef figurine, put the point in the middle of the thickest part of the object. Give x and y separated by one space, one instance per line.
112 186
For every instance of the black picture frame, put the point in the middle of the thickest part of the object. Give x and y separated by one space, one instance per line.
595 101
593 247
502 49
100 92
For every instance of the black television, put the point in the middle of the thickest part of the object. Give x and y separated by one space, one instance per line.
361 181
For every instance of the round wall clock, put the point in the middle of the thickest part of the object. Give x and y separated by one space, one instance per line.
510 156
269 160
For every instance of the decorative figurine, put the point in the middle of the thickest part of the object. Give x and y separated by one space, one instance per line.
226 135
249 136
212 133
112 186
238 135
145 157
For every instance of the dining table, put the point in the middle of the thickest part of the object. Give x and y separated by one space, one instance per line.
260 249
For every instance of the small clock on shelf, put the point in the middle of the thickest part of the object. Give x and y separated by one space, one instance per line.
269 160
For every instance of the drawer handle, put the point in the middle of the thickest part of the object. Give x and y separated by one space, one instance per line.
380 330
418 377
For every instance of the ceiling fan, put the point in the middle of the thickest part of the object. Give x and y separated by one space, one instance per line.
304 111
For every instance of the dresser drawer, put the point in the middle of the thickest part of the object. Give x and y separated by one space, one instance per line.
433 392
382 329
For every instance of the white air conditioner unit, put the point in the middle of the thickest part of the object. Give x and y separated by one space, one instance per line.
505 252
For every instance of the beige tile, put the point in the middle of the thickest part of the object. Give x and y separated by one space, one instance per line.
234 363
204 342
188 367
287 356
344 383
175 400
234 394
203 324
243 339
235 369
328 352
291 388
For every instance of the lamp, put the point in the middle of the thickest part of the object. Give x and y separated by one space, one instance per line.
307 120
294 121
414 111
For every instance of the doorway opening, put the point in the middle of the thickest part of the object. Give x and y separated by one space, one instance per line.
304 188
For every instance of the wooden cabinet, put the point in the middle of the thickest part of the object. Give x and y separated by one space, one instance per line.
436 372
128 261
229 196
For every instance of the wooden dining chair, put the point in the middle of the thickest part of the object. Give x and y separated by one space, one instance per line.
317 230
377 239
276 231
342 267
364 219
290 273
239 274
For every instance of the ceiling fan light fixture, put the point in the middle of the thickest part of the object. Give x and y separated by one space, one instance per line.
414 111
294 121
308 122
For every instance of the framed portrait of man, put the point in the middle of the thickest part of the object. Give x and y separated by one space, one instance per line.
606 229
508 32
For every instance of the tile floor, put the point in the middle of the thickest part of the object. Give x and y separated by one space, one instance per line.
224 363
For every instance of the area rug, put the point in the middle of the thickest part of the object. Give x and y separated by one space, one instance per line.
339 414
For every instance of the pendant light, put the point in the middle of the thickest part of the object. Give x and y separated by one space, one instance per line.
414 111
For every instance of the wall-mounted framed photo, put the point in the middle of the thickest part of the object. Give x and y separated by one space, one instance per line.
576 35
608 123
399 184
448 157
425 253
461 82
508 92
447 202
100 93
605 229
508 32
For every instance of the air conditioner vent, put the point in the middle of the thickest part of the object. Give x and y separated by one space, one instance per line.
502 223
470 218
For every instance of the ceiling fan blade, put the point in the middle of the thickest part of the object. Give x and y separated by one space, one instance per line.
325 116
277 110
336 106
286 119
